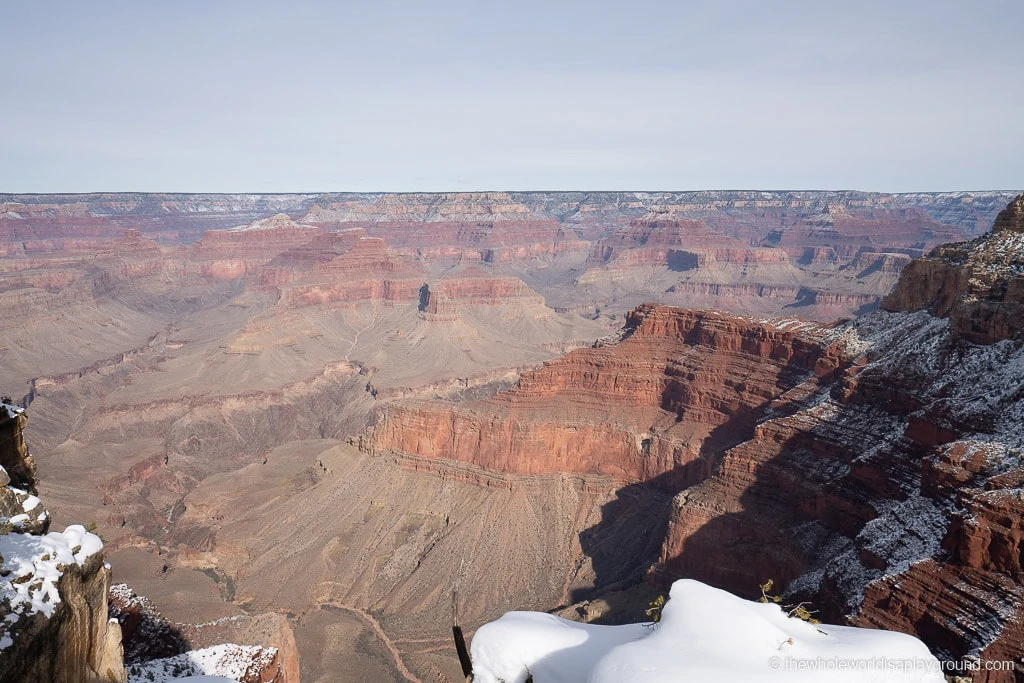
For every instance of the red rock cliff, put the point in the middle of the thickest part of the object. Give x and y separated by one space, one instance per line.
978 285
873 468
636 409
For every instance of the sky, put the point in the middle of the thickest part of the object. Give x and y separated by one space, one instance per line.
253 96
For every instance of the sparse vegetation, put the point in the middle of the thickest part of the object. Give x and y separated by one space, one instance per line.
654 608
92 527
798 611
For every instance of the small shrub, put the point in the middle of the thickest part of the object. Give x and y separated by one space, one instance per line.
654 608
798 611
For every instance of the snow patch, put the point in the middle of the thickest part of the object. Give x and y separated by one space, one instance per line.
227 662
12 411
32 566
704 634
549 648
906 533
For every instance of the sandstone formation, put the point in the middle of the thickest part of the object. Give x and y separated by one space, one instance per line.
444 297
153 643
638 409
872 468
978 285
53 587
232 253
760 241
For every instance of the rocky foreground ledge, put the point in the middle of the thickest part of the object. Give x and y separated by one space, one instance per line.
61 621
53 586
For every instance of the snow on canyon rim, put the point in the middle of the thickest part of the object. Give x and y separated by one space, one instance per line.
704 634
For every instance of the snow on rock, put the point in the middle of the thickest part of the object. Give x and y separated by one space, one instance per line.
12 410
704 634
219 663
552 649
905 533
21 511
31 566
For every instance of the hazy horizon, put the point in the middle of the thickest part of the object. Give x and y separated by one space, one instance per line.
568 190
456 96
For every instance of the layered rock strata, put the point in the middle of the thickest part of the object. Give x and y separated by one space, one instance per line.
638 409
978 285
53 586
873 468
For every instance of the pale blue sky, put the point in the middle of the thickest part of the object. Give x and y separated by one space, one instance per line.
458 95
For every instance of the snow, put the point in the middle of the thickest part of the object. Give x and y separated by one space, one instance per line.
971 384
11 410
32 566
906 533
228 662
548 647
704 634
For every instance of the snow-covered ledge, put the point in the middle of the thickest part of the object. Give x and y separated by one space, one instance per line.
31 567
705 634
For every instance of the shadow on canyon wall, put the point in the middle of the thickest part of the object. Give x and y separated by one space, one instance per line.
803 480
624 545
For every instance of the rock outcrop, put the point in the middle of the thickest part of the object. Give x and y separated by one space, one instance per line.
978 285
637 409
443 298
232 253
873 468
153 643
53 586
68 250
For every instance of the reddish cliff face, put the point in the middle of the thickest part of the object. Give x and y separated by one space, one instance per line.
495 242
491 227
850 230
665 247
444 298
635 410
311 256
873 468
978 285
345 267
677 244
890 495
229 254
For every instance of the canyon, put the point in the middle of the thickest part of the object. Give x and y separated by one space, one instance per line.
318 420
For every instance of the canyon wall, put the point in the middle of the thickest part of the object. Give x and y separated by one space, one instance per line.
53 586
176 345
978 285
872 468
636 409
